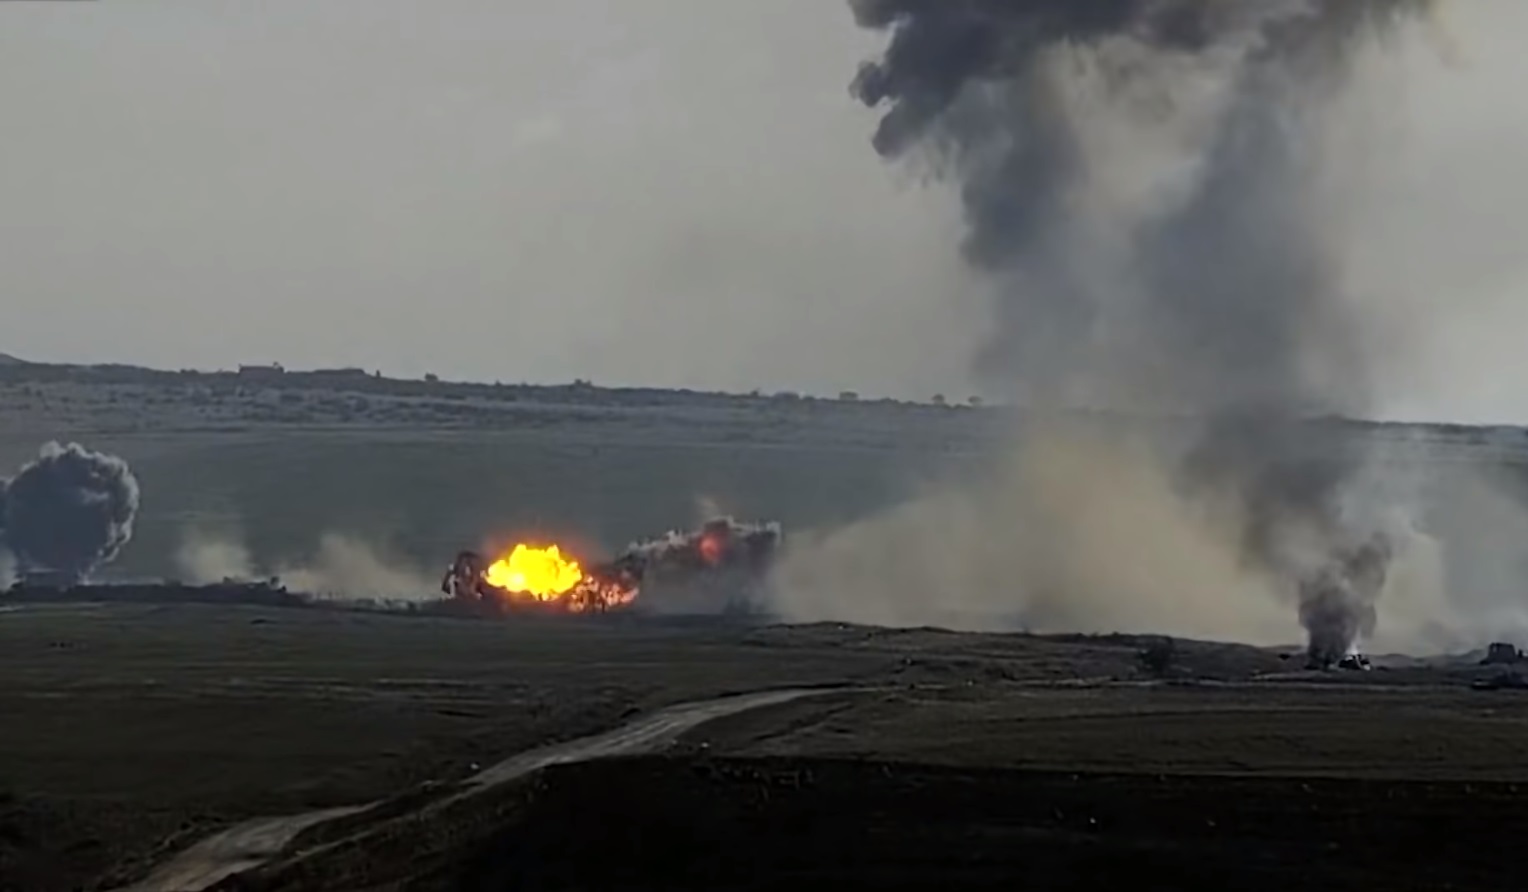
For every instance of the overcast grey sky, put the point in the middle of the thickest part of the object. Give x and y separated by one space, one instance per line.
668 192
675 192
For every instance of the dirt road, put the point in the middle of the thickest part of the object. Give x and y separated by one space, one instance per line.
239 848
250 844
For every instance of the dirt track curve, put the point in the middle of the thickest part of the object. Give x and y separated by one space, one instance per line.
250 844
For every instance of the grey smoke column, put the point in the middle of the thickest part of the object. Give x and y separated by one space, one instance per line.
1231 306
1337 602
70 511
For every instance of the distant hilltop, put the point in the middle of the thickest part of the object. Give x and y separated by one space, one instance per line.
273 381
353 379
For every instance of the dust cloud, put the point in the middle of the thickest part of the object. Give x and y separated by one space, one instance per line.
1162 196
342 566
204 558
1078 531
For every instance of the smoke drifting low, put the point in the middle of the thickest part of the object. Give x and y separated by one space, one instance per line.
1078 530
1149 188
343 566
69 512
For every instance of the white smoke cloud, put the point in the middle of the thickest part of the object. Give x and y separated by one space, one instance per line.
203 558
347 567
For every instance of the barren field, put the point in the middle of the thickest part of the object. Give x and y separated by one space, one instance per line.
767 823
130 734
125 725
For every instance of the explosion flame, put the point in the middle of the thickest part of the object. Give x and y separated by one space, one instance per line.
545 577
539 576
542 573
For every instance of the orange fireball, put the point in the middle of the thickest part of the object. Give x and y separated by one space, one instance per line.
542 573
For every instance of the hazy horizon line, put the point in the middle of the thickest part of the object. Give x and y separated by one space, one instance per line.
846 395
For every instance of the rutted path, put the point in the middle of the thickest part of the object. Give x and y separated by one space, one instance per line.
250 844
237 849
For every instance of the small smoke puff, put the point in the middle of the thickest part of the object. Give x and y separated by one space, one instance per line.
347 567
70 511
343 567
707 507
204 559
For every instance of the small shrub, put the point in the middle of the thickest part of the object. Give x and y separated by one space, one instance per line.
1159 656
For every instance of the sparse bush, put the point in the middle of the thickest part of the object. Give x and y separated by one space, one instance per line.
1159 656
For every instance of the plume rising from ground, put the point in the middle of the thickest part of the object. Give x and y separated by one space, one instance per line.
69 511
1149 190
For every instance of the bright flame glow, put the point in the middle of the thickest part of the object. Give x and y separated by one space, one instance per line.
542 573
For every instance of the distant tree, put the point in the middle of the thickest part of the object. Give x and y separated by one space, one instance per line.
975 402
848 396
939 400
788 395
431 378
1159 656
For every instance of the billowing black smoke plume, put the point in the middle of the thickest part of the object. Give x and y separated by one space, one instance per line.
1230 307
719 542
68 512
719 565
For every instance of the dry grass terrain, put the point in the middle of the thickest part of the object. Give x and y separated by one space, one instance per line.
123 725
129 731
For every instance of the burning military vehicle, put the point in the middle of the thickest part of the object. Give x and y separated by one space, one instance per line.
539 578
719 567
1337 605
